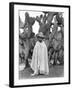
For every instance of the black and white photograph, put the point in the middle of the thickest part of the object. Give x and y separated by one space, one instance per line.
41 44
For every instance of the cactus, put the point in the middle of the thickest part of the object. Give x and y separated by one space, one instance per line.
54 40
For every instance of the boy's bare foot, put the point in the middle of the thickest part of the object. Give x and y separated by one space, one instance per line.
34 74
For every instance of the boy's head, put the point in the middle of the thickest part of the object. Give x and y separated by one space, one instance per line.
40 36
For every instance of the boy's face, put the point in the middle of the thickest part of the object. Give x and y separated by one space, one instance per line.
40 39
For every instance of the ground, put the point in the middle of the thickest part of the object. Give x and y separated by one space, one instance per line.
54 71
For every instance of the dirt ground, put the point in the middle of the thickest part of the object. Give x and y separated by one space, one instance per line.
54 71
